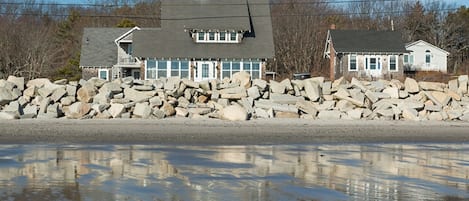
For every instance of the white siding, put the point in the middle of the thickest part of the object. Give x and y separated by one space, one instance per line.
438 58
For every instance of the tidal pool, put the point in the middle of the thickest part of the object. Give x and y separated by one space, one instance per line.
277 172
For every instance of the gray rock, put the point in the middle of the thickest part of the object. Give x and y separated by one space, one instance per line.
285 99
358 84
261 84
306 107
172 83
253 92
329 115
58 94
410 114
234 113
277 87
137 96
54 111
86 93
454 114
5 96
453 85
287 83
411 85
261 113
78 110
14 107
377 86
417 105
338 82
287 115
243 78
30 110
66 101
432 86
190 83
71 90
393 92
327 88
462 83
341 96
205 85
168 109
61 82
96 82
142 110
200 110
267 104
111 88
326 105
403 94
355 114
116 110
387 113
38 83
18 81
142 87
344 105
435 116
30 92
7 85
44 92
312 90
102 98
43 105
159 114
464 117
181 112
100 108
8 115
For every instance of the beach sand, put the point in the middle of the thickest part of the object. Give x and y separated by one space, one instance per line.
218 132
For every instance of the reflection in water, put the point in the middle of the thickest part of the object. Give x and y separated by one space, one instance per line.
296 172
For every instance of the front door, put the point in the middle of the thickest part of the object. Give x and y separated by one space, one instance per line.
205 71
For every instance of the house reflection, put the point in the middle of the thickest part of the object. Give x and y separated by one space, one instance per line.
350 172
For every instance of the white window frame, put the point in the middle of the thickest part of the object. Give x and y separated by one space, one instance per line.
169 69
397 63
356 62
428 54
378 62
103 70
217 39
241 63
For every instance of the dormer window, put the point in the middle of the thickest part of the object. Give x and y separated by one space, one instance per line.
201 36
216 37
222 36
211 36
233 36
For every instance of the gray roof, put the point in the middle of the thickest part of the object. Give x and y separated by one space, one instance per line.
348 41
206 14
98 48
172 41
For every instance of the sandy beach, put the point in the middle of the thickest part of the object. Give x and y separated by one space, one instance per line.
218 132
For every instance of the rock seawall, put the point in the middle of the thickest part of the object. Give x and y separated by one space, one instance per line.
239 98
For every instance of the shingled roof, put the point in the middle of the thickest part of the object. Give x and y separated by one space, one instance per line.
98 48
349 41
178 16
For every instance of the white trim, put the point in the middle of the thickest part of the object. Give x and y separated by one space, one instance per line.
125 34
397 63
169 63
241 68
427 43
103 70
356 63
217 37
212 71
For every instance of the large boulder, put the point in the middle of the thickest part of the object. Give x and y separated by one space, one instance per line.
58 94
234 113
142 110
18 81
137 96
86 93
243 78
111 88
329 115
277 87
8 115
312 90
432 86
116 110
78 110
5 96
40 82
168 109
411 85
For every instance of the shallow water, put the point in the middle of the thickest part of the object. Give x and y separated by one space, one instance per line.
280 172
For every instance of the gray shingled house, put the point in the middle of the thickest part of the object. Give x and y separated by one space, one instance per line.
198 39
365 54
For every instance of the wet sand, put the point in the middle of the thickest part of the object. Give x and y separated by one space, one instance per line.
218 132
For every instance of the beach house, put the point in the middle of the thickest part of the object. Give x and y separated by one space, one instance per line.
365 54
198 40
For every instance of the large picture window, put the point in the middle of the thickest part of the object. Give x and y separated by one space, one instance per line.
167 68
162 69
151 69
231 67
